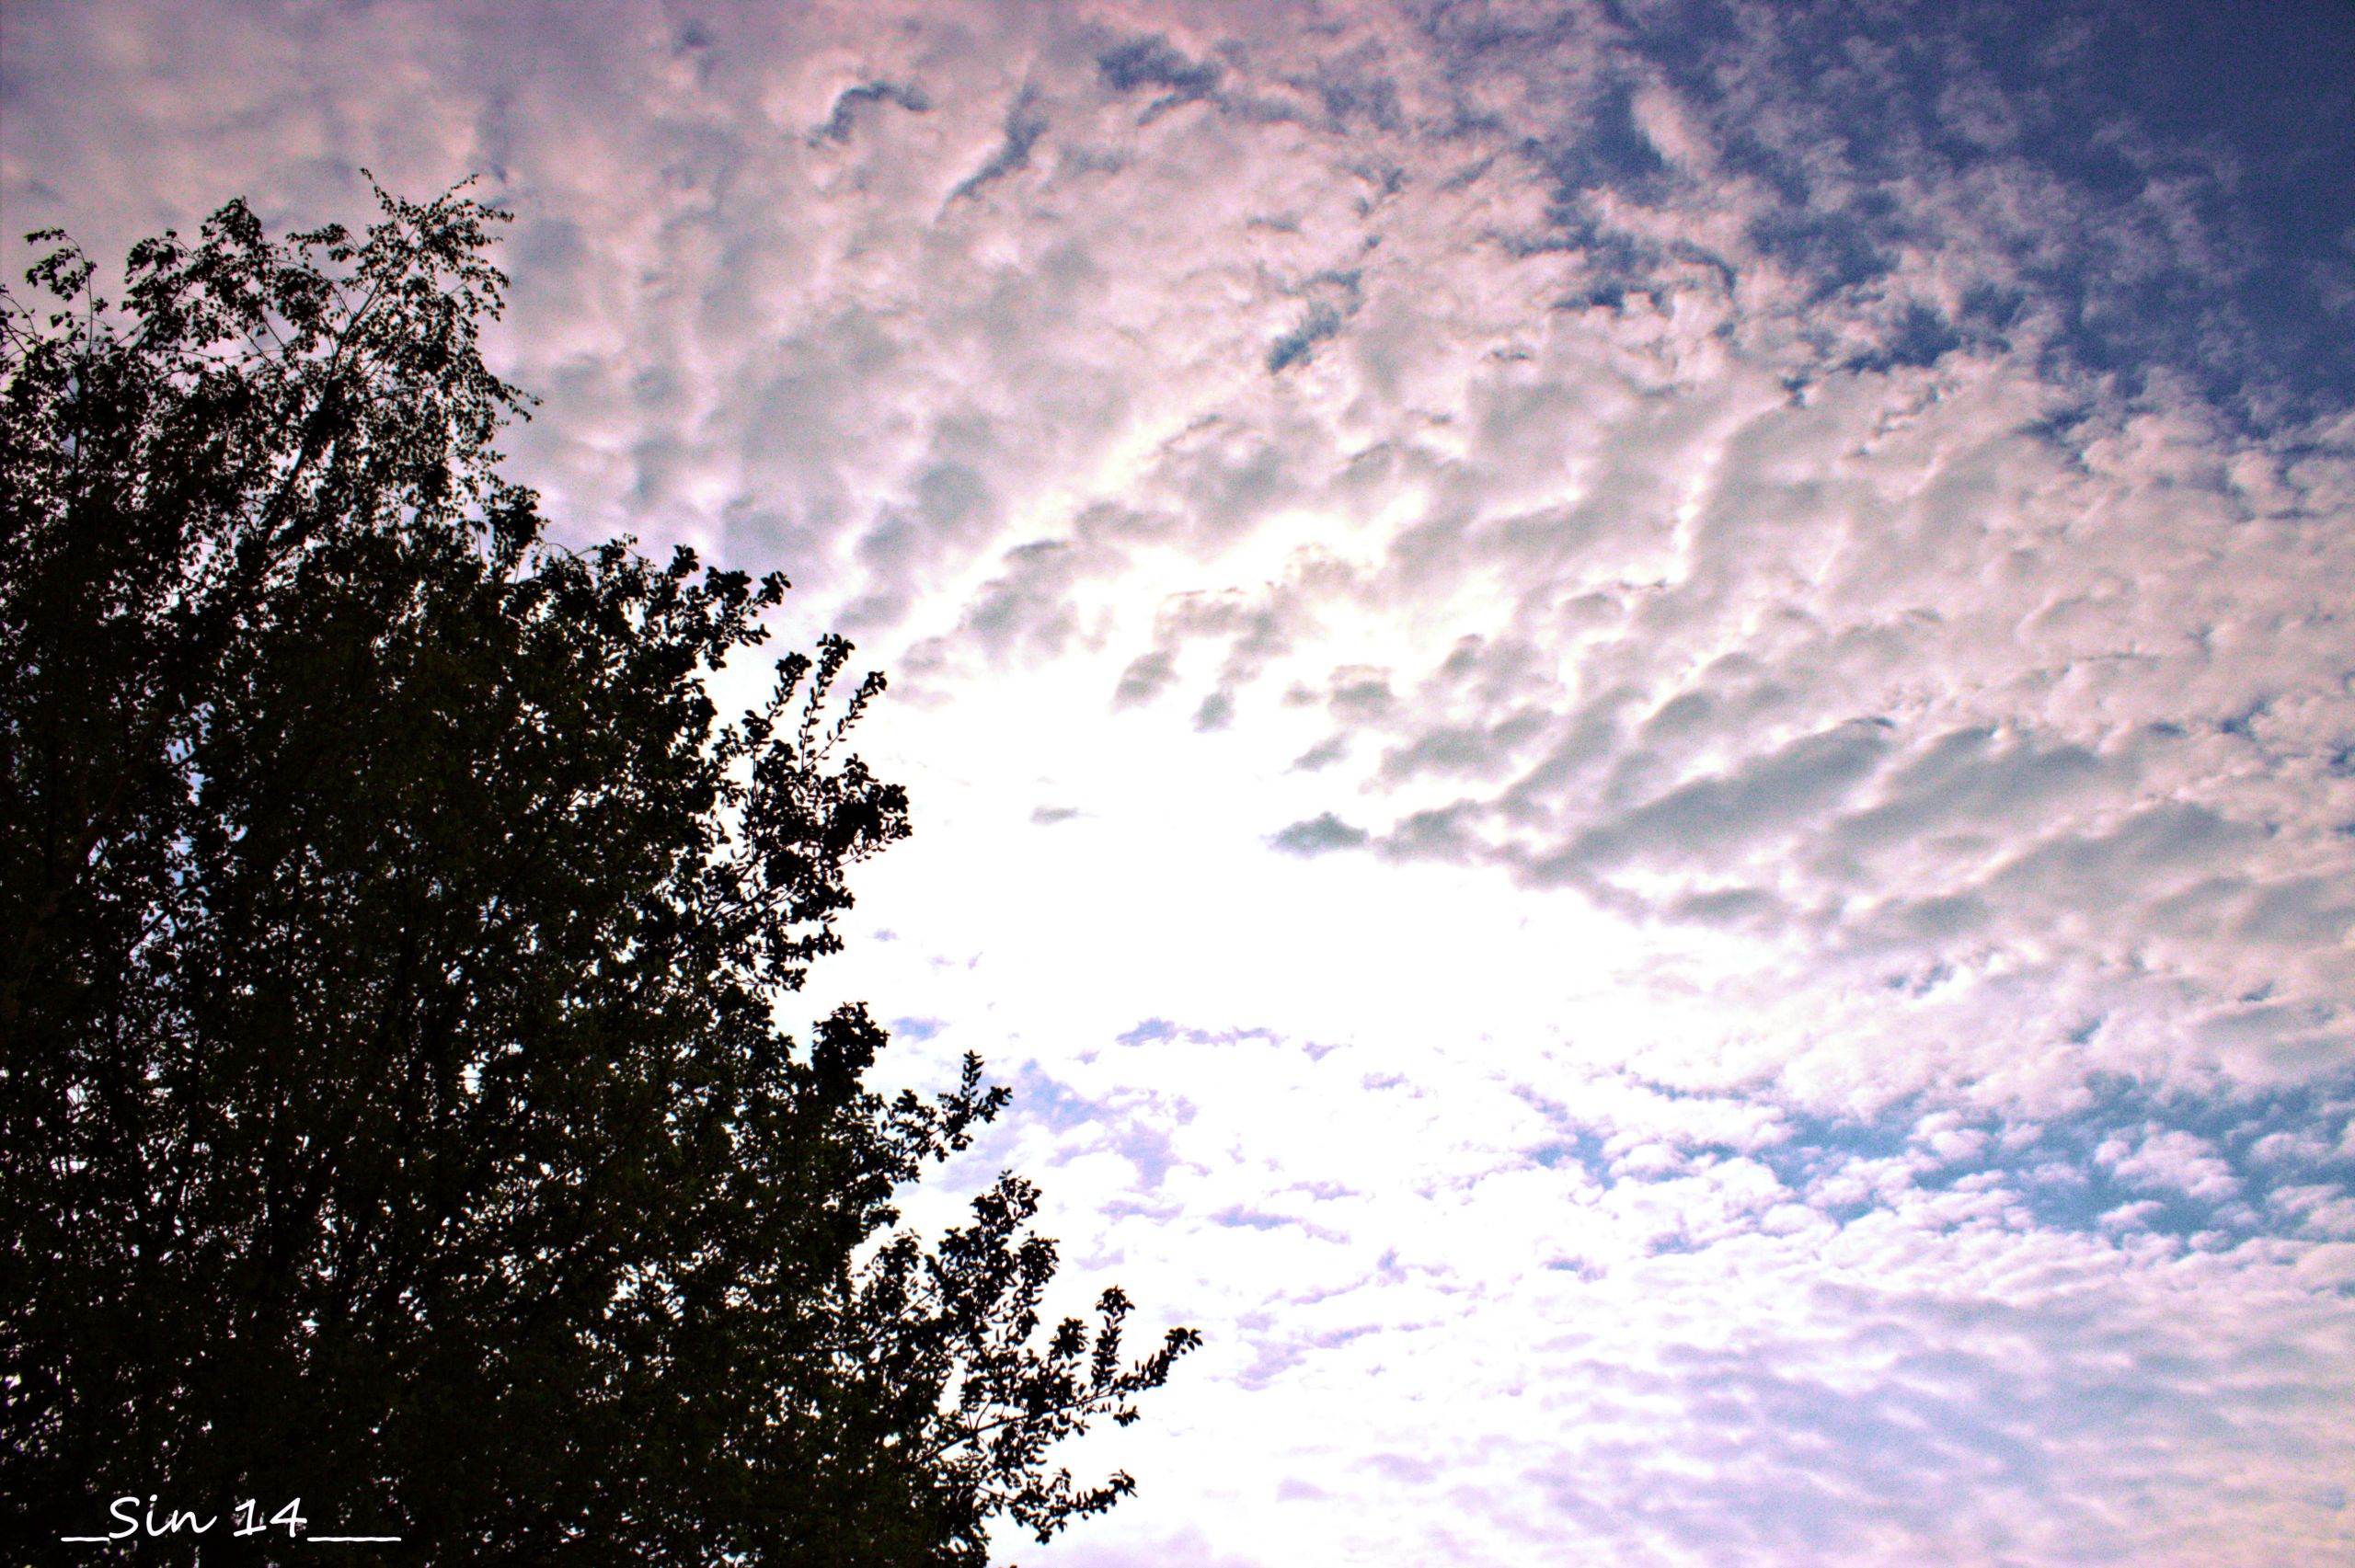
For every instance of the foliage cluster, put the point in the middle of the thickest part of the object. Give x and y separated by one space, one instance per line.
393 1108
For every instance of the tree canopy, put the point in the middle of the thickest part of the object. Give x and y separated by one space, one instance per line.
394 1108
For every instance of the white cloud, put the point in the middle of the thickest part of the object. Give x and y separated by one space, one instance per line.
1599 641
2171 1159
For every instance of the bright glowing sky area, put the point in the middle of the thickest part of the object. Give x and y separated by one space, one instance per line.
1635 722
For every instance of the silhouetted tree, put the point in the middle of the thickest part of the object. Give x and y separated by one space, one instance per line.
393 1112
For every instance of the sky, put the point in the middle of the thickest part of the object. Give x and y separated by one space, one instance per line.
1634 722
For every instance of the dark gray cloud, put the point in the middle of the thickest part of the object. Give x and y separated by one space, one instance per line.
1321 322
1768 795
844 120
1026 122
1974 778
1148 62
1319 835
1147 676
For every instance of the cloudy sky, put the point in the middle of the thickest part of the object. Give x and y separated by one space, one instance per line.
1635 721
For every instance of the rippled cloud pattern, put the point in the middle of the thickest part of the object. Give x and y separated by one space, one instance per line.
1635 721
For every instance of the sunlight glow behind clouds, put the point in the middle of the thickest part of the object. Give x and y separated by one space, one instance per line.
1634 722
